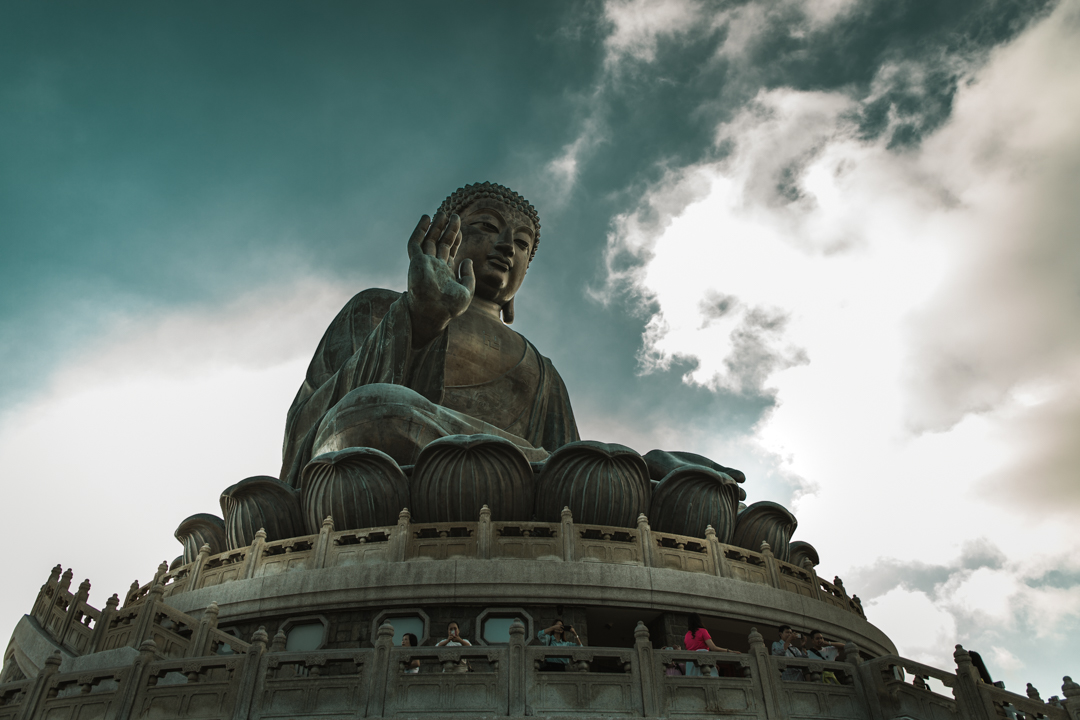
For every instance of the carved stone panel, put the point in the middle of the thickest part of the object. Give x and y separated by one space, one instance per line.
260 502
457 475
358 487
765 521
602 484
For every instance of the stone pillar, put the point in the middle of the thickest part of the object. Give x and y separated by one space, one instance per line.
484 534
46 596
771 569
280 641
251 679
766 679
379 678
645 539
145 620
566 529
1071 691
716 549
200 642
647 674
130 690
322 543
39 687
197 567
973 705
162 570
808 566
516 669
254 555
399 543
102 626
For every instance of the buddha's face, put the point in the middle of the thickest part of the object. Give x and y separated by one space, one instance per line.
499 240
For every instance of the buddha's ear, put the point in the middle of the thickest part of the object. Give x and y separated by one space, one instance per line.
508 312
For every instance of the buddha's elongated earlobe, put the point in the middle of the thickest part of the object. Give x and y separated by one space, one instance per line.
508 312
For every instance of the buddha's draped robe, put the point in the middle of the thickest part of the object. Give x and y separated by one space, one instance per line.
369 343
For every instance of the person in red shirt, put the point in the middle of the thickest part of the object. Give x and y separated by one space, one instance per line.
698 639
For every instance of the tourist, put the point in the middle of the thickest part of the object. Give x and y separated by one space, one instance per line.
409 640
558 636
789 645
453 639
697 639
822 649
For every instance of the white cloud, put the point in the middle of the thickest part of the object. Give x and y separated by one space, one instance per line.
638 25
929 288
146 428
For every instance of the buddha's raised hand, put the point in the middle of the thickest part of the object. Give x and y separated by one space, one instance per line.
436 294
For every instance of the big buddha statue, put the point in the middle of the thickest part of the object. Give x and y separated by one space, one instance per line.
396 371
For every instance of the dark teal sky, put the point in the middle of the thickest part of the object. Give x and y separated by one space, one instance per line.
160 156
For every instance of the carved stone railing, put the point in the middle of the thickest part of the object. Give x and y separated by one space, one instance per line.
509 681
566 540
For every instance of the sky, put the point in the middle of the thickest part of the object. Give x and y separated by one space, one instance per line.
832 243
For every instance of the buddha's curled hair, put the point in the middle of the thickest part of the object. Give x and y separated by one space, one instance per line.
462 197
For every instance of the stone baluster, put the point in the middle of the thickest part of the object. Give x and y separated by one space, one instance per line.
645 538
254 554
516 669
1071 691
647 671
102 626
566 529
971 701
815 584
771 568
39 688
132 687
484 534
253 674
200 643
280 641
73 610
145 622
322 543
767 679
45 597
843 591
197 567
65 582
162 570
381 676
716 549
132 593
399 543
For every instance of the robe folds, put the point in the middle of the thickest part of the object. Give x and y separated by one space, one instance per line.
370 342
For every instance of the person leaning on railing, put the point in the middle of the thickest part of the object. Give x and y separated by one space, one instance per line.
697 639
409 640
822 649
790 645
453 639
559 636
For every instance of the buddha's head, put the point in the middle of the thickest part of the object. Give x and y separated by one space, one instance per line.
500 231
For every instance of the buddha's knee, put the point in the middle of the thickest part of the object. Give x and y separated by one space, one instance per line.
391 418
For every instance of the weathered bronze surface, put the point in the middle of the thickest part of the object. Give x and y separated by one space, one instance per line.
395 371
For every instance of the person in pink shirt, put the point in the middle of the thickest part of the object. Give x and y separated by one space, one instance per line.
698 639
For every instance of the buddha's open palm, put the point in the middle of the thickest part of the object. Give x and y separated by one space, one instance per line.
436 294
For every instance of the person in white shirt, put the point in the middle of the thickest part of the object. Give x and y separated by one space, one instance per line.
453 639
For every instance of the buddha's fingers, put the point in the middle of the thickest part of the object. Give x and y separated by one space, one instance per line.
417 236
468 279
454 248
433 233
449 237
